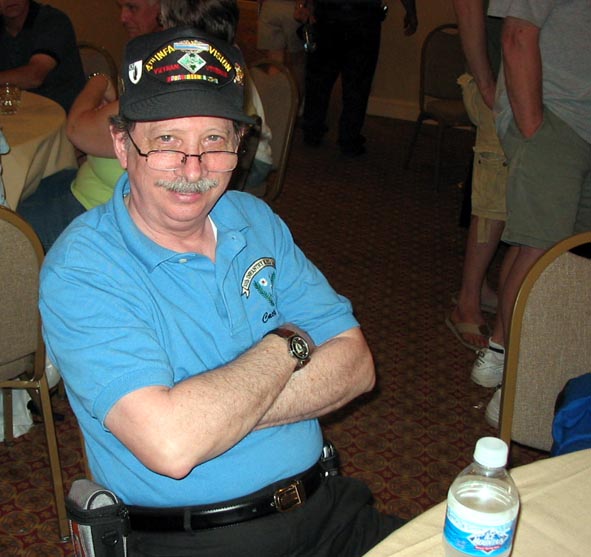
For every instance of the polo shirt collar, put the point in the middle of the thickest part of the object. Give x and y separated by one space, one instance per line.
148 252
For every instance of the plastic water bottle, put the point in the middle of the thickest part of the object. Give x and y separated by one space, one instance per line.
482 505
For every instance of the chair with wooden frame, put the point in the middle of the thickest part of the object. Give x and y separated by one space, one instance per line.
22 351
548 342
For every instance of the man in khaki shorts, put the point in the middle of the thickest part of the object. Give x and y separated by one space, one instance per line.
481 43
277 35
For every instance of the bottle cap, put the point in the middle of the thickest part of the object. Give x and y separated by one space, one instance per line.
491 452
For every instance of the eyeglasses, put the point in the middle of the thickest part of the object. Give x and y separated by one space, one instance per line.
212 161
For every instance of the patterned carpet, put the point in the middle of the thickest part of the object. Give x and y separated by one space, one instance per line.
390 243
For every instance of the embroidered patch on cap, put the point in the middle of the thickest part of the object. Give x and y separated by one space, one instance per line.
189 59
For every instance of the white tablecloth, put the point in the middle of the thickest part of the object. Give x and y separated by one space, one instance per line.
554 521
38 146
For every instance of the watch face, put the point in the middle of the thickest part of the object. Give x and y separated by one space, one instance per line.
299 347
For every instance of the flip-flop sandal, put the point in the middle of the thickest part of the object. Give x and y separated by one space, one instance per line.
484 306
459 329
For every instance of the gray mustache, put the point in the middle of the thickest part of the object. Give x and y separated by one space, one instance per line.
182 185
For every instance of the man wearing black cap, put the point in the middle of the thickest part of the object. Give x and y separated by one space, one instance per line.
198 344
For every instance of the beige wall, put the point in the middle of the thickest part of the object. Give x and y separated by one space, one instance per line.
96 21
396 84
395 88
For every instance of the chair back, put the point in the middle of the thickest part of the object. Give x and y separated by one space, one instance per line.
97 59
21 255
22 351
279 95
548 342
442 62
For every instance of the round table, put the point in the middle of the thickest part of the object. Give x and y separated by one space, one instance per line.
553 522
38 146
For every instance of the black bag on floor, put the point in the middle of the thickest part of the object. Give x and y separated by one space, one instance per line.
99 521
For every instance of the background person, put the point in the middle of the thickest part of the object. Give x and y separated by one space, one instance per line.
140 16
543 111
39 51
348 44
481 42
61 197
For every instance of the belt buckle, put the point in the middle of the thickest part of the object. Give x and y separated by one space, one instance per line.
290 497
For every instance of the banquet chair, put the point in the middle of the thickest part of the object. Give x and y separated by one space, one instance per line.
22 351
279 96
548 342
97 59
440 96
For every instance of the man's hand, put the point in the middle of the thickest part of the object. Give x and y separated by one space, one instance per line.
304 12
411 21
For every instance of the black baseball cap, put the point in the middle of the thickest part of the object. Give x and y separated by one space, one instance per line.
182 72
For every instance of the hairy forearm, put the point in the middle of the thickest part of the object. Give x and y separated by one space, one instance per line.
172 430
471 24
339 370
523 73
88 120
25 77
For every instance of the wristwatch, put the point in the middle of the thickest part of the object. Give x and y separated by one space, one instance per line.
297 345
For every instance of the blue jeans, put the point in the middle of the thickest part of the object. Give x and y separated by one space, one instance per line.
52 207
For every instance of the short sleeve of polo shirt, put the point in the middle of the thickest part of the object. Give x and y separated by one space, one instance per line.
130 319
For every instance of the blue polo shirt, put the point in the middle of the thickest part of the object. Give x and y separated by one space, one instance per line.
121 313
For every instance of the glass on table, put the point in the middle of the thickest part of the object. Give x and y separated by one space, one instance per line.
10 98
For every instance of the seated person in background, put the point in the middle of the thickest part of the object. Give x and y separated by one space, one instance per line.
63 196
139 17
191 400
39 51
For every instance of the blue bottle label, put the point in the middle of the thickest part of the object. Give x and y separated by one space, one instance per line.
476 539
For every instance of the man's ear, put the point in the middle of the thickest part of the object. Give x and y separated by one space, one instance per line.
121 145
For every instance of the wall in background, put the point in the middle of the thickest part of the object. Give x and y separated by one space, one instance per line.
396 84
395 90
96 21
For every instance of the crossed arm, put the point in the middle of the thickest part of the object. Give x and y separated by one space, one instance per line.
172 430
32 74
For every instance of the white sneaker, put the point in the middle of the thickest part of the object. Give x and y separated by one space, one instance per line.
493 410
488 367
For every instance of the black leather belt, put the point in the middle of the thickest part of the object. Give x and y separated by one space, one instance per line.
286 497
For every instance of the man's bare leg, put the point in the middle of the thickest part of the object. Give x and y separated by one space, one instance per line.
476 263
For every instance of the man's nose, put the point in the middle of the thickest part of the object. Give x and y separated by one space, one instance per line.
192 169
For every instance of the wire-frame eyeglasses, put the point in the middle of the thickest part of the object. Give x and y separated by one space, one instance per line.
165 159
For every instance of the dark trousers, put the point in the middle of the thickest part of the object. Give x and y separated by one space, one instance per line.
349 47
52 207
337 521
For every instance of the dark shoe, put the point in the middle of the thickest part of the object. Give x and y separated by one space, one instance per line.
353 146
352 151
312 140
